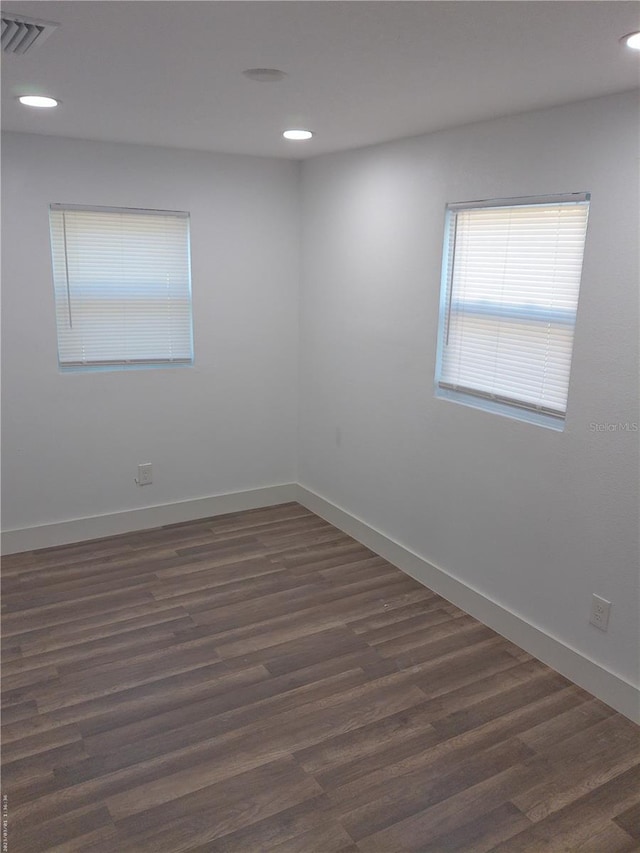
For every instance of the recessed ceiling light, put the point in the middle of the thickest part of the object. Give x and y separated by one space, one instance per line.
297 134
264 75
38 101
632 40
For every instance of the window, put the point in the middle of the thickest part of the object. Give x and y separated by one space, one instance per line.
510 282
122 287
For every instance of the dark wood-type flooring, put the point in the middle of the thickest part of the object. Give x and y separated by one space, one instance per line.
262 682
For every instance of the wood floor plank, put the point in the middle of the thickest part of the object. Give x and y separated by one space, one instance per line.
236 802
261 681
306 817
16 677
39 637
330 838
444 818
581 764
226 712
482 834
410 794
629 820
36 743
80 635
37 766
555 730
575 824
423 757
102 839
610 838
393 750
73 656
20 711
229 753
59 613
60 830
342 753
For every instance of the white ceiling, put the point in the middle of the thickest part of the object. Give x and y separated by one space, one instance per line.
169 73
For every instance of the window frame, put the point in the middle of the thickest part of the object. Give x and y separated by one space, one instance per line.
69 366
476 398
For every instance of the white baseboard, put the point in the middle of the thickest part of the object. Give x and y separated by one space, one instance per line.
98 526
612 689
606 685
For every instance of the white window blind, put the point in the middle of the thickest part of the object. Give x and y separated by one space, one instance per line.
511 277
122 286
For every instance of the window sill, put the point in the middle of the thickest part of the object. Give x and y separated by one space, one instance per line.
497 408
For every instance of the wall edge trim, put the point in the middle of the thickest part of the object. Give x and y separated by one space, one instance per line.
143 518
610 688
606 685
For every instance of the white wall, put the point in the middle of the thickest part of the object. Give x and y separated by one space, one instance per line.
71 443
535 520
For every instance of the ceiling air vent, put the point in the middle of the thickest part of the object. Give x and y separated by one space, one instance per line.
21 35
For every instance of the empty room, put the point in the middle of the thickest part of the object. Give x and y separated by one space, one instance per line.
320 427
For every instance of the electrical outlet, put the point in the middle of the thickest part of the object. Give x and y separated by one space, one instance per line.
600 608
145 474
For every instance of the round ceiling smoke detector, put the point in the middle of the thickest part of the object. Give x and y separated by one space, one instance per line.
264 75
